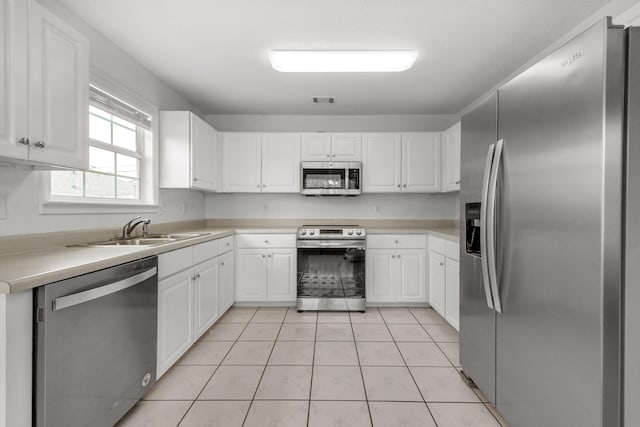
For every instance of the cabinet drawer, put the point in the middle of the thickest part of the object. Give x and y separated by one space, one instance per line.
437 245
172 262
226 244
205 251
399 241
266 240
452 250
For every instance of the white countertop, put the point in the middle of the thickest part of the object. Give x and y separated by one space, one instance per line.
28 270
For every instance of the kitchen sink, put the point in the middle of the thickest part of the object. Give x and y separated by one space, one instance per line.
176 236
146 241
150 240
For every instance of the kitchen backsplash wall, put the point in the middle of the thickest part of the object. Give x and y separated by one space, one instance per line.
366 206
19 189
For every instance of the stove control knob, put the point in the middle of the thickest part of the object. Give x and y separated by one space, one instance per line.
350 232
359 232
311 233
303 232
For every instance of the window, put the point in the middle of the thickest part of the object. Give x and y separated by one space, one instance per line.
120 157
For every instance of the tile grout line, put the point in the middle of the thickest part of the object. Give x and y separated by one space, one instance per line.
355 344
253 398
485 404
407 366
313 369
217 367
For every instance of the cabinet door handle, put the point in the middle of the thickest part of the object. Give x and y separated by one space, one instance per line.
195 179
398 256
266 241
264 185
269 256
405 185
398 185
23 141
263 256
442 263
457 182
393 256
39 144
396 242
328 155
222 263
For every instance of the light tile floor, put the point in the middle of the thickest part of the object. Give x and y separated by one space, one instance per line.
277 367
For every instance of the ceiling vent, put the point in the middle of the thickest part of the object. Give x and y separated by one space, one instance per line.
324 100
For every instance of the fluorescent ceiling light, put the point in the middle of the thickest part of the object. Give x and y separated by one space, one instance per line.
342 61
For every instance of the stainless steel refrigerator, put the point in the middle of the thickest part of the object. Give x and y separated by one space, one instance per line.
549 169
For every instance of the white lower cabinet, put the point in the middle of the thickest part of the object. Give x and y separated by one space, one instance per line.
452 292
436 281
266 268
175 314
205 298
226 285
195 288
251 275
444 279
396 269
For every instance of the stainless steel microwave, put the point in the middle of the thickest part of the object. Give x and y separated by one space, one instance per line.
331 178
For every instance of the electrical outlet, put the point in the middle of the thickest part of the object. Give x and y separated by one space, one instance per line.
266 208
3 206
185 208
379 208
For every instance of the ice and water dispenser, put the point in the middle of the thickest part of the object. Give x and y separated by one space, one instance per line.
472 224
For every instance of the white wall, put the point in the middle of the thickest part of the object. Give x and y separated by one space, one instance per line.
331 123
19 188
366 206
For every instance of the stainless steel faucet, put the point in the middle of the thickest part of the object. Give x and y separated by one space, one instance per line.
131 225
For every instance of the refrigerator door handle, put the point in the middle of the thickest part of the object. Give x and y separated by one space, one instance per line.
491 223
483 227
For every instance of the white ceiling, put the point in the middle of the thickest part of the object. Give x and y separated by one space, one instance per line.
215 51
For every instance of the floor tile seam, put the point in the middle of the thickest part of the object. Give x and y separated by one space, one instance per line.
364 387
447 356
253 398
411 374
313 368
214 371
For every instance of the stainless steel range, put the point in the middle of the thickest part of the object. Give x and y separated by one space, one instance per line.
331 268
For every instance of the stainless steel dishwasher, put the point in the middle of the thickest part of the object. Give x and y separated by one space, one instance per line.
95 345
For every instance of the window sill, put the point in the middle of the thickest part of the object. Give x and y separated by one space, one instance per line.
56 207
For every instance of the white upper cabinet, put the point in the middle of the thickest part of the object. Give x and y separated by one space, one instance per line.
421 162
241 162
381 162
13 79
188 152
204 155
58 91
280 163
44 88
260 162
451 159
346 147
407 162
325 147
316 147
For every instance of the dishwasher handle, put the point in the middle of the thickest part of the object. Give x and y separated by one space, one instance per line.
99 292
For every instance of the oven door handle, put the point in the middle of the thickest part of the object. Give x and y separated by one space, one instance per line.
337 244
